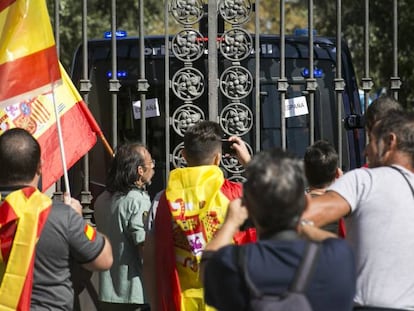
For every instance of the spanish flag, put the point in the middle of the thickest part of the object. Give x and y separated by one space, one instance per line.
22 217
37 116
28 58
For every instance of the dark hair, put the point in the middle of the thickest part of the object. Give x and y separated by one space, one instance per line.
274 190
402 125
321 163
201 142
123 172
19 157
380 108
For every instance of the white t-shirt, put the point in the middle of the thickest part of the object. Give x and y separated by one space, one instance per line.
380 230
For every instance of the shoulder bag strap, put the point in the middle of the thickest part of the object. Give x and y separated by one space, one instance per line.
242 265
405 177
306 267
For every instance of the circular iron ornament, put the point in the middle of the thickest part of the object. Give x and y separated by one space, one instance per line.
236 44
187 12
186 116
236 82
236 119
188 45
237 178
188 83
177 156
235 12
232 164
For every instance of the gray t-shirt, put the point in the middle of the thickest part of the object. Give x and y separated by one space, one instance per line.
65 238
381 232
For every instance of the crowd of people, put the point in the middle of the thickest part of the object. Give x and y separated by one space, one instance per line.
207 243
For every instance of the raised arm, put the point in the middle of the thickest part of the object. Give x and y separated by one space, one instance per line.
326 209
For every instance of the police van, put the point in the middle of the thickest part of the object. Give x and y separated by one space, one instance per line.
297 126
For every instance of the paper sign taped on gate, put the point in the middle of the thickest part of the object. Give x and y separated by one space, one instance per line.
296 106
152 109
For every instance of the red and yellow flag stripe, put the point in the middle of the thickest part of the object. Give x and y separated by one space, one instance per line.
28 208
28 58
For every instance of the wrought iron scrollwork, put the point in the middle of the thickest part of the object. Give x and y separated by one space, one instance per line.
235 11
236 82
236 44
186 116
237 178
177 156
188 45
188 84
187 12
236 119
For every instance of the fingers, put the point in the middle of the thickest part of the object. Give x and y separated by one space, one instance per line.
237 213
73 203
240 149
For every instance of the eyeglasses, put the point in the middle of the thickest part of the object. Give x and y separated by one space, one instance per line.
152 162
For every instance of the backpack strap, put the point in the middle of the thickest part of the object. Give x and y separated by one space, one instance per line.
305 269
302 275
242 265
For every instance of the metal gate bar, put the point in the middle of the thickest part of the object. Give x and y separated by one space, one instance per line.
395 80
282 83
167 132
339 81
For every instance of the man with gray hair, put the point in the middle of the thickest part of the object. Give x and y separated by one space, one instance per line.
273 197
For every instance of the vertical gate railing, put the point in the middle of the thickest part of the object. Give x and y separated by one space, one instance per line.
311 84
187 83
236 82
225 102
142 81
85 87
282 82
395 81
339 81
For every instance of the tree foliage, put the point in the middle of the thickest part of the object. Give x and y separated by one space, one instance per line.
381 65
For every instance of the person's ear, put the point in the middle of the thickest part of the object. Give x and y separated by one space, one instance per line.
140 171
217 159
392 141
39 169
338 173
184 154
389 144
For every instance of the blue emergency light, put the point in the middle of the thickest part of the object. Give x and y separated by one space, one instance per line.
119 74
303 32
317 73
118 34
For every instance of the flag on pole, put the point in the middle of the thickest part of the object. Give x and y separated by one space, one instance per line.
28 57
36 115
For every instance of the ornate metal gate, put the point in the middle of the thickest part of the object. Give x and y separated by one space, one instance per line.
226 88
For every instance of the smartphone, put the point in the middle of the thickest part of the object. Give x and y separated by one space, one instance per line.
226 147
